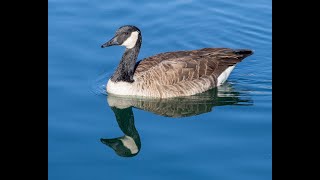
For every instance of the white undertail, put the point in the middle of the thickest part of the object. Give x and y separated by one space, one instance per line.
224 75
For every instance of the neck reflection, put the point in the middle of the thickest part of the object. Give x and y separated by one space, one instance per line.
129 145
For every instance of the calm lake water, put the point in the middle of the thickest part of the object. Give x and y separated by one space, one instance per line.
224 133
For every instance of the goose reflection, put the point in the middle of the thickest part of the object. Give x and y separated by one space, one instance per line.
129 145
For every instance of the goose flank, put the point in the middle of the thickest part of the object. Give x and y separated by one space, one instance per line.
169 74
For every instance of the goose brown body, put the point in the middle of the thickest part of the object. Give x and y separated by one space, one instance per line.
179 73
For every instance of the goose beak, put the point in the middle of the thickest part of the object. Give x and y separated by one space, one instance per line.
112 42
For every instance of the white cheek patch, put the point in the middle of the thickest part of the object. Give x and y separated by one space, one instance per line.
131 41
129 143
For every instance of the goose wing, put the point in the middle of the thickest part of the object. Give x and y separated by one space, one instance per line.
185 72
188 65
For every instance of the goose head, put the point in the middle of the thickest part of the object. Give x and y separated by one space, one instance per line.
127 36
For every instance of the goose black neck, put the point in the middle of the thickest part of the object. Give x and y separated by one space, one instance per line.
126 67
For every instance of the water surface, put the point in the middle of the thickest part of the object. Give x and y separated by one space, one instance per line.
224 133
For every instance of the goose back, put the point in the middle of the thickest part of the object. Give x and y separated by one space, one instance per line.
184 73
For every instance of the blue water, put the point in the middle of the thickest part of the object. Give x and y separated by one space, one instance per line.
221 134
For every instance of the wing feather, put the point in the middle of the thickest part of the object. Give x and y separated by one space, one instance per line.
185 72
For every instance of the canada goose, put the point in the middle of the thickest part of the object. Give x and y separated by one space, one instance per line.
170 74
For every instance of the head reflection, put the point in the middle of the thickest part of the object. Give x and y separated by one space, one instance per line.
129 145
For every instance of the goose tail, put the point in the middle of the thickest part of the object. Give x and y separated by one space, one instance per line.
243 53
